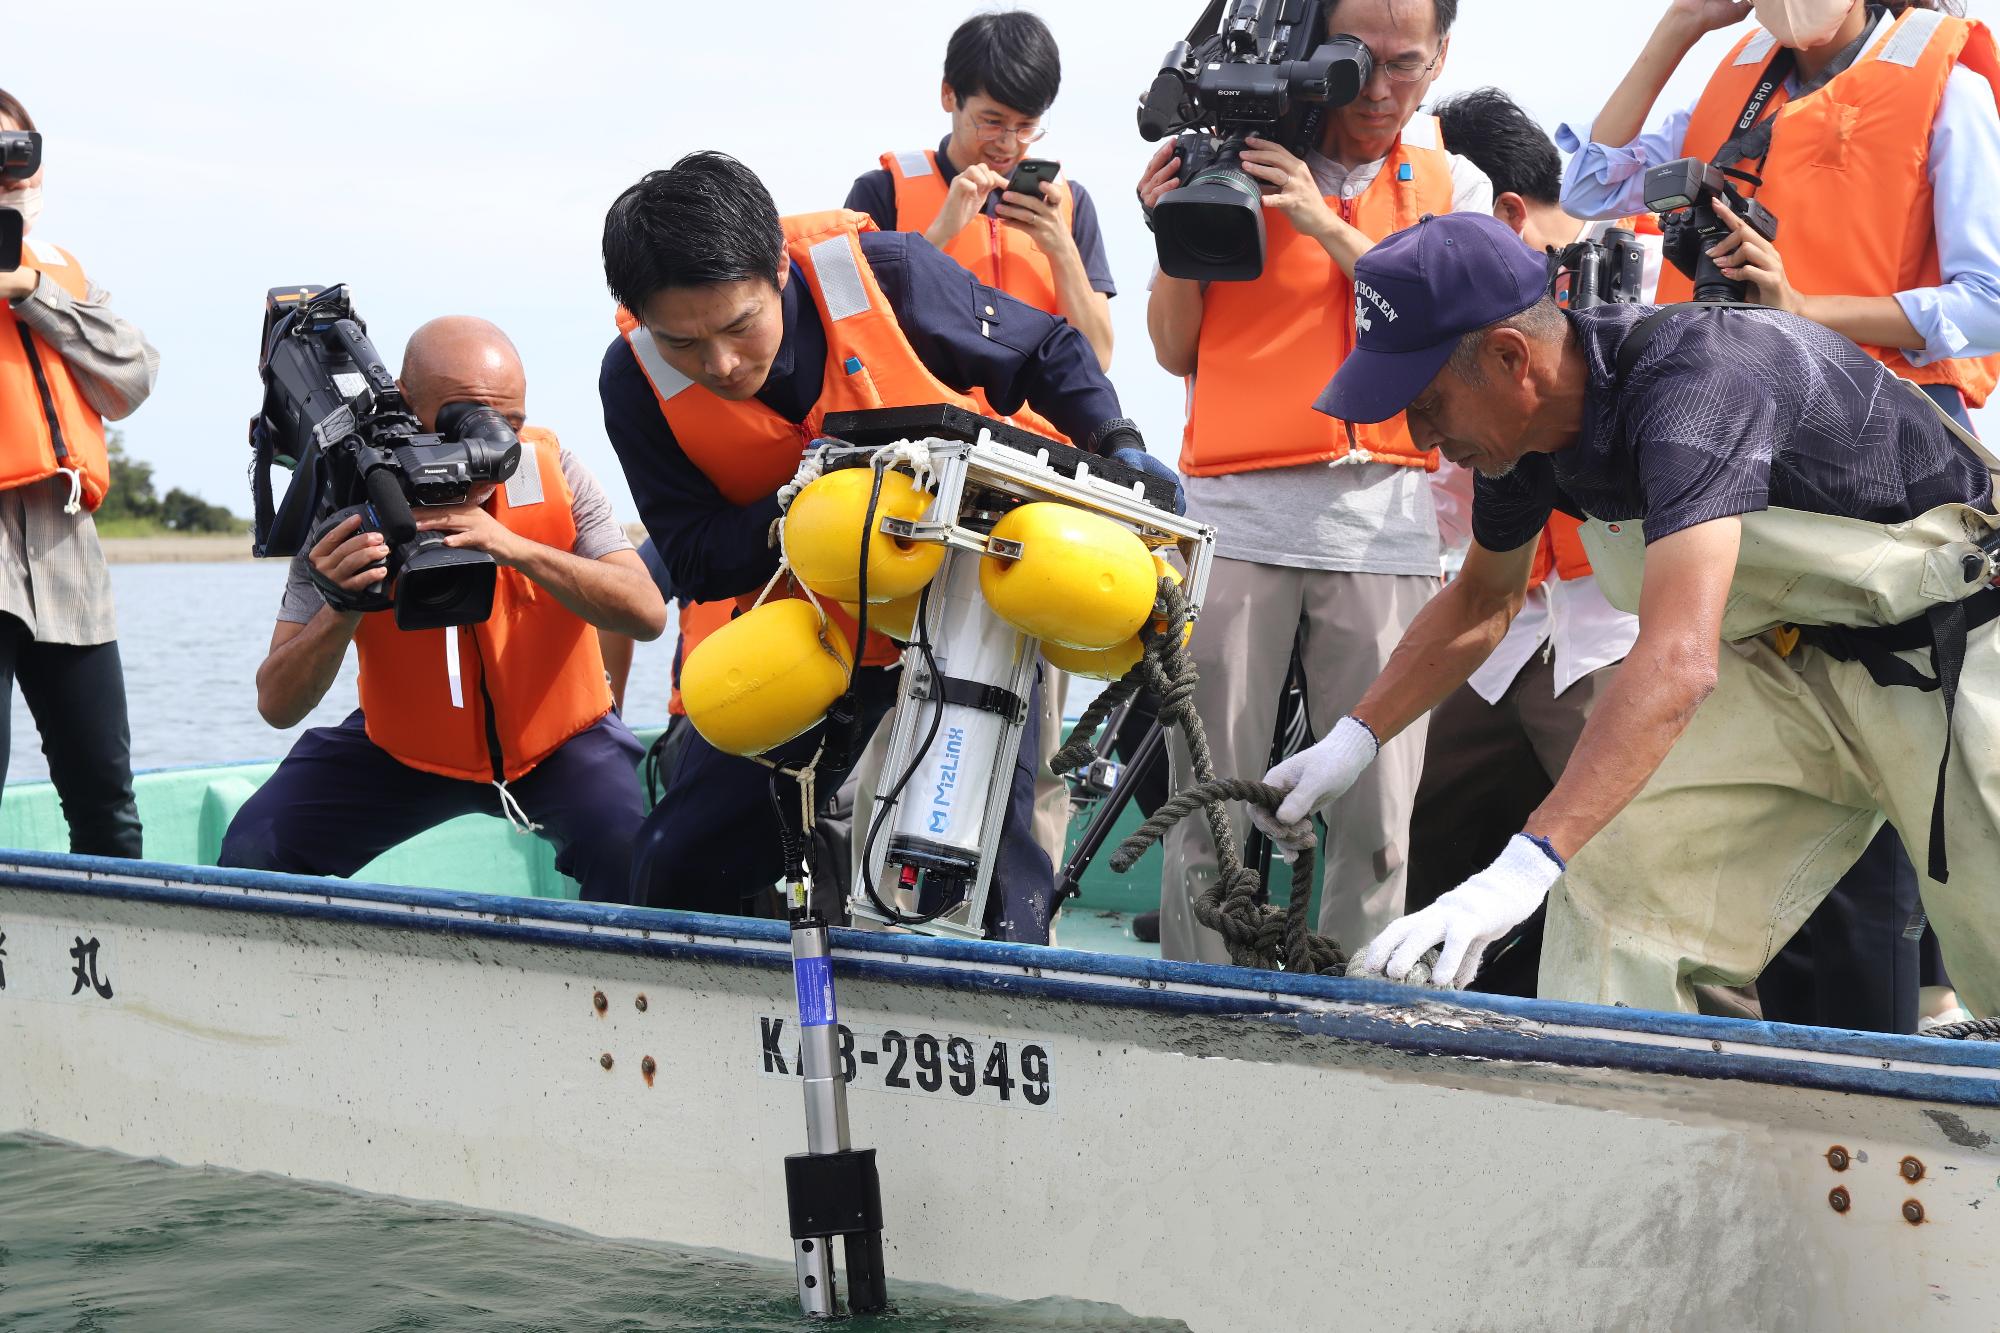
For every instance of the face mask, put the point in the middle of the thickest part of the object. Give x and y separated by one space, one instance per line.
1803 24
28 202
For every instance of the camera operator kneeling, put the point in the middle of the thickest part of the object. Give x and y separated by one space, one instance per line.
449 715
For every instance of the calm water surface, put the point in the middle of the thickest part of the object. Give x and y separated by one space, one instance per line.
92 1242
191 637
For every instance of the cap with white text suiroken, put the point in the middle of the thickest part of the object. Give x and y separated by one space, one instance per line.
1415 295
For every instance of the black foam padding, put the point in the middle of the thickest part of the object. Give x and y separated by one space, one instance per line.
886 425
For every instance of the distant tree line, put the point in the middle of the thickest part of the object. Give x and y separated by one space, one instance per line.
132 497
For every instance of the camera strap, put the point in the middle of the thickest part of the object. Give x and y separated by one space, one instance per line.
1641 334
1750 137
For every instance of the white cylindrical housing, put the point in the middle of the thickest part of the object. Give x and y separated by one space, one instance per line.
945 803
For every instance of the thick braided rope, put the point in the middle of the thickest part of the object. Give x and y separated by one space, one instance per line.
1972 1029
1257 934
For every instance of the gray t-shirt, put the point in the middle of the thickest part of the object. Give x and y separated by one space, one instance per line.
598 534
1351 516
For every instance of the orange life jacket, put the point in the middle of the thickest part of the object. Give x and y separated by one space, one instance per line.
998 255
747 449
1848 172
1560 553
488 702
698 620
1269 346
46 426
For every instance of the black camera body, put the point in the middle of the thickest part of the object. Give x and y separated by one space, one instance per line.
1247 67
332 414
1609 270
1684 194
20 158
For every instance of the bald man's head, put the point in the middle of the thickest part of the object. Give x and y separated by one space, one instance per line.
463 359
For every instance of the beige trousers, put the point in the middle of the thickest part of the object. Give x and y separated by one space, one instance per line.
1242 646
1775 788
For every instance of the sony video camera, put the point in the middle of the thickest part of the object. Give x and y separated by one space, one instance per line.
1684 194
1247 67
20 158
333 415
1609 270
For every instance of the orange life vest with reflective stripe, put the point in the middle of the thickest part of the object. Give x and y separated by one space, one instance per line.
1000 256
1848 172
528 679
747 449
46 426
1269 346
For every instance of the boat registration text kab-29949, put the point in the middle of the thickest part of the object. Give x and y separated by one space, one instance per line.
958 1066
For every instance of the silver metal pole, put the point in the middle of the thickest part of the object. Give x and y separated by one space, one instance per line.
825 1093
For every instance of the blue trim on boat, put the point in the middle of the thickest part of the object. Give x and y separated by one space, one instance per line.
1174 987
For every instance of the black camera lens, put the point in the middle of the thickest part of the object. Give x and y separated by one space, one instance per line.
439 586
1212 228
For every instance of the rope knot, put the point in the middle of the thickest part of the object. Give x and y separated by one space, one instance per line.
1258 934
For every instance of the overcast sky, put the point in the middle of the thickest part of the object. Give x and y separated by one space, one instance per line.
457 159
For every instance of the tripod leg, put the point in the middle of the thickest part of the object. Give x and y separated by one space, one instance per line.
1150 751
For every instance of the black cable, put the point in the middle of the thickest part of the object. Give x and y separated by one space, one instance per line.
884 805
790 845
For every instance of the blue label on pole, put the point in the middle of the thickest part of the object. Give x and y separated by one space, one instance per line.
814 978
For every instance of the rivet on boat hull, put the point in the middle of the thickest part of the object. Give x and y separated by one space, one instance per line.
1838 1199
599 1003
640 1004
1913 1170
647 1067
1836 1157
605 1059
1913 1212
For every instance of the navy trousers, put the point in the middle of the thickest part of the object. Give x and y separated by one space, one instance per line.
339 801
1856 962
713 841
76 695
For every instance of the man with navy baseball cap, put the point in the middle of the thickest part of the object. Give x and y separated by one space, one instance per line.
1415 295
1746 478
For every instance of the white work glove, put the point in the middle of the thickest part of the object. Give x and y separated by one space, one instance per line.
1463 922
1311 778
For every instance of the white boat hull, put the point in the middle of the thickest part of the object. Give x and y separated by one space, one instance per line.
1237 1150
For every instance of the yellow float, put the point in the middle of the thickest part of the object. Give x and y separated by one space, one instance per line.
1082 581
1113 663
897 619
765 677
823 537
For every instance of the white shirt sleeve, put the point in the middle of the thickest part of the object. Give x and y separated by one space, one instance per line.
1471 191
1961 317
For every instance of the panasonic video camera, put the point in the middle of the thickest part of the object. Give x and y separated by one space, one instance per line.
333 415
1247 67
20 158
1684 194
1609 270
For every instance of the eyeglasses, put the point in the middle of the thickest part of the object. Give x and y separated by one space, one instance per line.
1409 71
990 131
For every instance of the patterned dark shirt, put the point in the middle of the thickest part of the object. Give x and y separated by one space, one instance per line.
1728 412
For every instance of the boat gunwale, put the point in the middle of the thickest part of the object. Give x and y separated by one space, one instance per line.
1379 1013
